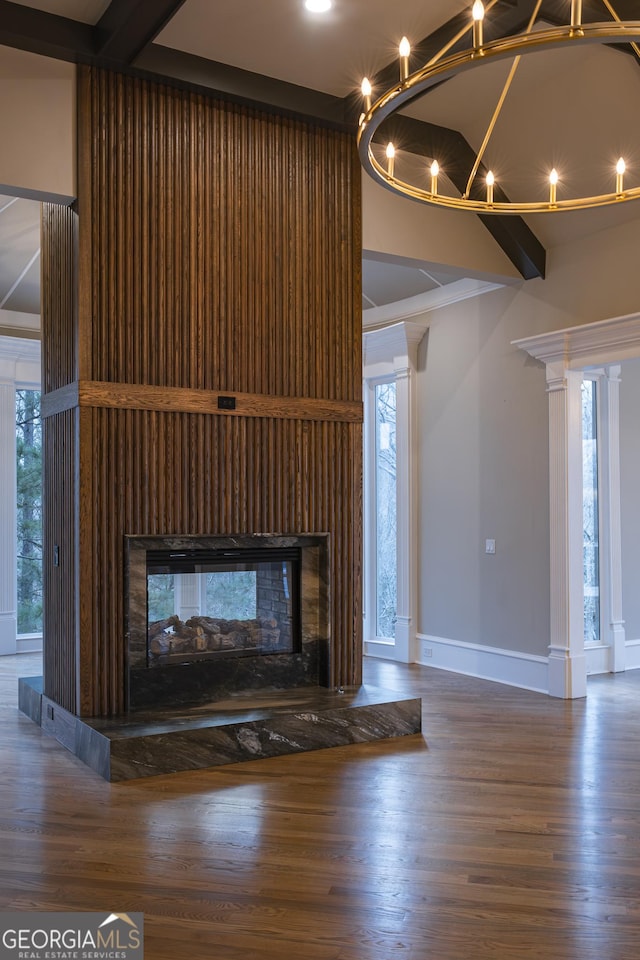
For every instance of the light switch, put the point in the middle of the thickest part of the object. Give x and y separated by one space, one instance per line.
489 546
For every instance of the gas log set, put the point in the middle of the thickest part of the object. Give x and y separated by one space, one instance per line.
176 639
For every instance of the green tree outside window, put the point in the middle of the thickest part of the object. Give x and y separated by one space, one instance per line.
29 510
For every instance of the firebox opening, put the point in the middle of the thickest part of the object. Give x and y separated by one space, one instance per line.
220 604
211 663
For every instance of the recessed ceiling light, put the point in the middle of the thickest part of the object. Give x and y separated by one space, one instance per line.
318 6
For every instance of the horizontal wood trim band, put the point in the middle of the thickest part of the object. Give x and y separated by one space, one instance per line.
60 400
91 393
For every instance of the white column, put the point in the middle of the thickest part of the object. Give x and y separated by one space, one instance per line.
611 557
405 518
567 661
187 595
369 546
8 614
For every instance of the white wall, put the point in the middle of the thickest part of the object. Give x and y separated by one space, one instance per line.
394 226
38 110
483 422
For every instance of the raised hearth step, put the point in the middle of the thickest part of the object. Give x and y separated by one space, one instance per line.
246 726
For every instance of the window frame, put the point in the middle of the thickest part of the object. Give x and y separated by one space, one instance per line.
19 370
371 511
390 355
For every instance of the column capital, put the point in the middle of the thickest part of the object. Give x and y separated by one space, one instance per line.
557 375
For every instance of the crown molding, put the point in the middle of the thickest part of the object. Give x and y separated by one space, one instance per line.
376 317
396 344
19 349
589 344
19 362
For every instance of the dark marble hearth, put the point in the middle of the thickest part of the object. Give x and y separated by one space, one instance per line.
249 725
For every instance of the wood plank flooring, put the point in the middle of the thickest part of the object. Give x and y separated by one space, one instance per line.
509 831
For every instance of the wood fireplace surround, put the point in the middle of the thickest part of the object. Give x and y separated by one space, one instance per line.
201 326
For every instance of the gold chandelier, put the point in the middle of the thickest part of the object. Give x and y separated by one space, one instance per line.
442 67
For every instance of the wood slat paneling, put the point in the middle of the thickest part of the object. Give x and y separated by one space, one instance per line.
159 473
59 250
219 253
220 245
59 541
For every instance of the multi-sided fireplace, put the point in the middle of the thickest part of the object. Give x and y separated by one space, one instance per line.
228 648
208 616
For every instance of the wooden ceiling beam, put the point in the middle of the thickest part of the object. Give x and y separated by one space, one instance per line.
44 33
456 155
128 26
243 86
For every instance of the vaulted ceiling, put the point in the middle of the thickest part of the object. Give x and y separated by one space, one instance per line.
562 109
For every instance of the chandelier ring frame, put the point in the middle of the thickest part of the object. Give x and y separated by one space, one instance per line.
421 81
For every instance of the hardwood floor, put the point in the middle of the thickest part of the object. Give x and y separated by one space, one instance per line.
510 830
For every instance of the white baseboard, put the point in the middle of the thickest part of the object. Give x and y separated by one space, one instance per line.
385 649
486 663
598 659
29 643
632 655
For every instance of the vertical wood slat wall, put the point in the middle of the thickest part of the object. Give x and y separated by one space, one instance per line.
219 250
59 368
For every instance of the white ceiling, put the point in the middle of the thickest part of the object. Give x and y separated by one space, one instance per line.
19 255
279 38
384 283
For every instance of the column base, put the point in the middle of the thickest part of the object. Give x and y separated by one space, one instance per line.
405 640
567 674
618 647
8 634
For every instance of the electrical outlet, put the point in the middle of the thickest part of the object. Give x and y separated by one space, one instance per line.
427 651
489 546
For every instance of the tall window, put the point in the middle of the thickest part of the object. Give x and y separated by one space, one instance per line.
29 511
385 505
591 526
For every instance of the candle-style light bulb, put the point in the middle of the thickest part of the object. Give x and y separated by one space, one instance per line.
490 182
366 93
391 153
620 169
404 50
435 170
553 183
477 12
576 13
